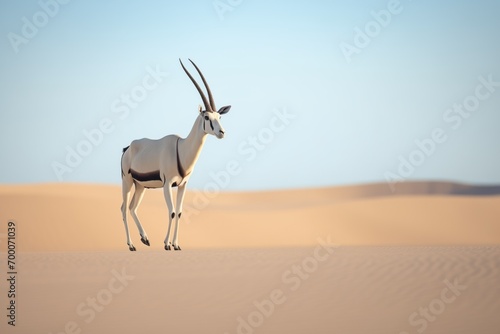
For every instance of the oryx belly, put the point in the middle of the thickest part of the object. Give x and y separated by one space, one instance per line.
151 179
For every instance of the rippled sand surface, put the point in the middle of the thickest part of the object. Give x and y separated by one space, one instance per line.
292 290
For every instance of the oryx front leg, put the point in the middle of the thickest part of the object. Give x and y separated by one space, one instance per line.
167 192
136 200
180 200
126 187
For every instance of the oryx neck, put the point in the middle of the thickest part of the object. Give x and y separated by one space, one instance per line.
189 148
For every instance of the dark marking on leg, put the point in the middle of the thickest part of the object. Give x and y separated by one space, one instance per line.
180 213
174 184
172 215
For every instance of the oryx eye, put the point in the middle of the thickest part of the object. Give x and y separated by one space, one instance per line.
206 118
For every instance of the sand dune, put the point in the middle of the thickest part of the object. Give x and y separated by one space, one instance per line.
357 259
74 217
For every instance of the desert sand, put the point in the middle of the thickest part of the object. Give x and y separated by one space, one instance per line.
358 259
76 217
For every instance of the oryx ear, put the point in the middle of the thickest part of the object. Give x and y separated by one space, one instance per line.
224 110
199 108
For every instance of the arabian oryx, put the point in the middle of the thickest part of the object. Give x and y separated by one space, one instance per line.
166 163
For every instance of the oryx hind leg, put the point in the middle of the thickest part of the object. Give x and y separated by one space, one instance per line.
126 188
136 200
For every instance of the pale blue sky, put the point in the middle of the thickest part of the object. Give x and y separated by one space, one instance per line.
352 120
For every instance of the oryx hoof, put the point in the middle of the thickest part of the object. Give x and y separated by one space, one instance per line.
131 248
145 241
177 247
167 247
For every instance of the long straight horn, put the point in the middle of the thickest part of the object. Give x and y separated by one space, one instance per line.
205 102
212 102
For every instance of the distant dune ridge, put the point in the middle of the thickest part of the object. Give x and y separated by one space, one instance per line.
79 217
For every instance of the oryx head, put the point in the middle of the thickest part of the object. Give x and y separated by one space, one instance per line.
210 117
